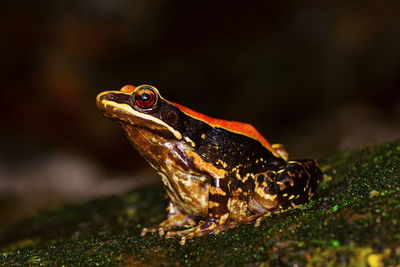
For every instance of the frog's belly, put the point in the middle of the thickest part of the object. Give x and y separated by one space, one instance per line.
188 191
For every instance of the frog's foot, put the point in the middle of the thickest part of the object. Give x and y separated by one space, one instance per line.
202 228
178 220
255 219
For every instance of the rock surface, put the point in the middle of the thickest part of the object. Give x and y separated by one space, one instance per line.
354 219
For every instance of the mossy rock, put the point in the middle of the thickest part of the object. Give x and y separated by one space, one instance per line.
354 219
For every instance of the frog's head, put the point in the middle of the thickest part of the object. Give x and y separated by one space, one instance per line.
149 120
142 108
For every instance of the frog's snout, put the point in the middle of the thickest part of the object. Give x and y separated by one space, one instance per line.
113 96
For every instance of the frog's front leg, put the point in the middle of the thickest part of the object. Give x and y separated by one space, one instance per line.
175 218
218 212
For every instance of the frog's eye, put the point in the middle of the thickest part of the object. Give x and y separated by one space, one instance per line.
145 98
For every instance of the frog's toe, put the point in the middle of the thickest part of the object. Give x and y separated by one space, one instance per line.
160 231
203 228
146 230
185 232
179 220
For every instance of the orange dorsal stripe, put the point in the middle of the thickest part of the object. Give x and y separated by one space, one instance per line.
234 126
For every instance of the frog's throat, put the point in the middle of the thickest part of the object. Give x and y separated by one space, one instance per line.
113 107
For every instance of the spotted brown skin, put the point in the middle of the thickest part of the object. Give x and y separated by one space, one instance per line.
217 174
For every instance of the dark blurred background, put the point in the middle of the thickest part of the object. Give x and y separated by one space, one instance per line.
315 75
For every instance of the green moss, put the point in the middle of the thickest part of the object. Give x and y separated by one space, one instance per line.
353 220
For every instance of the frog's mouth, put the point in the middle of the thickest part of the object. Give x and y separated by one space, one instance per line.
117 106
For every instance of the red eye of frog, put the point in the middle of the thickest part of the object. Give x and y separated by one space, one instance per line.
145 98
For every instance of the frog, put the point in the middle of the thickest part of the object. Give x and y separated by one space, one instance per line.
217 174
